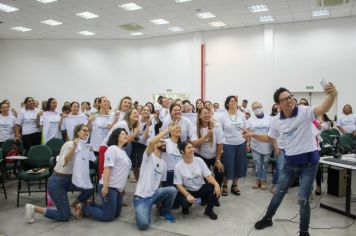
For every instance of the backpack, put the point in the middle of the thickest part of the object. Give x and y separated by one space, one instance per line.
13 152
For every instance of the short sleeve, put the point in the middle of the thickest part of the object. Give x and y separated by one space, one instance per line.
109 158
178 179
205 170
164 175
273 132
309 112
20 118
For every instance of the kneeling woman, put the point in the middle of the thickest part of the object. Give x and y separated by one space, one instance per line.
117 167
189 177
61 182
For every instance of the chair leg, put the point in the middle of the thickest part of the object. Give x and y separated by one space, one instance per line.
18 192
46 192
29 188
3 186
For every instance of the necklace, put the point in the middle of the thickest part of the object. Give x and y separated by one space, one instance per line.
233 119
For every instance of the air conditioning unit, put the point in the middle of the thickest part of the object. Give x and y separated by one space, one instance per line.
131 27
330 3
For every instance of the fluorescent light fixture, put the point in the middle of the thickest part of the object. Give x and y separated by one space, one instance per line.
51 22
205 15
130 6
159 21
87 15
86 33
264 19
175 29
258 8
137 34
46 1
321 13
20 28
7 8
217 24
179 1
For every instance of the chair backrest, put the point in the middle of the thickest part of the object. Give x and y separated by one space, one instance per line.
332 131
346 143
7 146
39 156
55 144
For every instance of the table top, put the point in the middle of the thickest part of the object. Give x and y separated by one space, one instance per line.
322 161
17 158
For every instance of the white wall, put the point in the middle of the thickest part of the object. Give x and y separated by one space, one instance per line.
248 62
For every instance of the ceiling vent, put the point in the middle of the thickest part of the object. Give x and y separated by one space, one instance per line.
131 27
331 3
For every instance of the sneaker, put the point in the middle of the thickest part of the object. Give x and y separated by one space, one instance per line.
211 214
185 211
263 223
304 233
264 185
257 185
168 217
30 213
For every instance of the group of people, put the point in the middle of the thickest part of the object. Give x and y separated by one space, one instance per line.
179 158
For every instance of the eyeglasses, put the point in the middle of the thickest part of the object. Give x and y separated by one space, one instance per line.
85 130
284 100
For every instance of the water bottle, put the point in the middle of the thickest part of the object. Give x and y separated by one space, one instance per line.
197 201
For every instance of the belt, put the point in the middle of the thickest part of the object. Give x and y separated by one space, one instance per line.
60 174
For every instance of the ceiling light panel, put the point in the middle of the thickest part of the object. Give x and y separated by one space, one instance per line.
51 22
175 29
258 8
47 1
87 15
130 6
217 24
159 21
264 19
205 15
20 28
7 8
86 33
321 13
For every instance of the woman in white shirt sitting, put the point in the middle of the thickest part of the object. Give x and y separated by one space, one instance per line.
189 179
26 122
117 167
347 122
61 182
7 123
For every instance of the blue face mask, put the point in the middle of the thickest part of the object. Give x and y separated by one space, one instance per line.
258 111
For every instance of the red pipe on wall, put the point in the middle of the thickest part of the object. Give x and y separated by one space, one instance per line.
202 82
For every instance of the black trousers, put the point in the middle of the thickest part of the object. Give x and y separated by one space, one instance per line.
30 140
219 176
206 193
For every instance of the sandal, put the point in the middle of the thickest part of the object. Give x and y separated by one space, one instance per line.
235 190
224 191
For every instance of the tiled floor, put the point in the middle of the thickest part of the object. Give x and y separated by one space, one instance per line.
237 216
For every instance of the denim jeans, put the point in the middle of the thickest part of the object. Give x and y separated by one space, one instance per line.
306 174
58 186
143 206
279 167
261 164
109 209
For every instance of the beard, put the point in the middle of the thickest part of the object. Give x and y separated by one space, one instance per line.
162 148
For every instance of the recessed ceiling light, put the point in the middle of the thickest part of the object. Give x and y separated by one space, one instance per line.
20 28
51 22
87 15
159 21
321 13
86 33
7 8
258 8
130 6
205 15
137 34
266 19
179 1
175 29
46 1
217 24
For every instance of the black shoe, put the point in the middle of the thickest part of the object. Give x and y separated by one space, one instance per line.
185 211
263 223
211 214
304 233
217 203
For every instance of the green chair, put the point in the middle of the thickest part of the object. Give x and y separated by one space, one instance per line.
38 158
6 147
55 144
346 143
332 131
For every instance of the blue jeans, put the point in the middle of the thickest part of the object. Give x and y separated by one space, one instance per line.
261 164
143 206
306 174
109 209
58 186
279 167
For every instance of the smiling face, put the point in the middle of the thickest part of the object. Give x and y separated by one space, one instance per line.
83 133
134 116
104 103
188 150
4 109
122 138
125 105
176 112
75 108
30 103
232 105
205 115
145 112
53 105
286 102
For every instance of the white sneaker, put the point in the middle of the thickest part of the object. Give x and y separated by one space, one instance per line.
30 213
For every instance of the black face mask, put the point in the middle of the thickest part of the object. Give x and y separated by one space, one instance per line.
162 148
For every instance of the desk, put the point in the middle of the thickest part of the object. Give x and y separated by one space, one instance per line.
21 158
349 168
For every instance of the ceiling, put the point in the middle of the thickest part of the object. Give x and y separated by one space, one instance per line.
234 13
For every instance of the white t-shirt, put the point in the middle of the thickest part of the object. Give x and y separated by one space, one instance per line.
142 128
172 155
120 164
232 127
348 123
7 127
120 124
49 121
192 175
260 126
153 170
207 149
296 132
71 121
157 107
60 167
163 114
185 127
27 120
83 154
100 129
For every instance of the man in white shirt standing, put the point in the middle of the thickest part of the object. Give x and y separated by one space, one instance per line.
148 191
294 125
